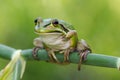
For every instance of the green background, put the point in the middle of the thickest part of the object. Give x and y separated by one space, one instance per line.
96 21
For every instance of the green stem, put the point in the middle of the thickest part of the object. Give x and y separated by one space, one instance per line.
6 52
92 59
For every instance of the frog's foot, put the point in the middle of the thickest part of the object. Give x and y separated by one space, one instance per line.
83 49
34 52
53 58
83 57
66 56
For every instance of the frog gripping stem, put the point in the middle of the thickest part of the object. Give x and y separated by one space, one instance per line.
34 52
83 57
58 36
83 49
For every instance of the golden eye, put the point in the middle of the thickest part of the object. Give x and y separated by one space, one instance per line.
55 22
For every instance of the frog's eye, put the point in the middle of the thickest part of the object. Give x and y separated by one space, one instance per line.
55 22
38 20
35 21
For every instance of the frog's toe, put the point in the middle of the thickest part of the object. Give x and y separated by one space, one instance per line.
53 58
66 57
35 52
83 56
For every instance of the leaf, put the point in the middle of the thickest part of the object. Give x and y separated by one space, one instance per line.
15 68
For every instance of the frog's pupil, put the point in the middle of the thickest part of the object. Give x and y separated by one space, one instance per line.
55 21
35 21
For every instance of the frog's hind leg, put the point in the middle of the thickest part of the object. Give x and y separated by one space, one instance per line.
83 57
83 49
39 45
35 52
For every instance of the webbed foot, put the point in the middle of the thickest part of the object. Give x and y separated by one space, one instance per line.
53 57
83 57
34 52
83 49
66 56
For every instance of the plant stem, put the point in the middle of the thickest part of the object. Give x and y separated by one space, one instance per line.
6 52
92 59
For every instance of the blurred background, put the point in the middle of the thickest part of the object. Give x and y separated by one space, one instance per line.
96 21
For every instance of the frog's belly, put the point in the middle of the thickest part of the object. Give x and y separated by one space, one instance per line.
55 41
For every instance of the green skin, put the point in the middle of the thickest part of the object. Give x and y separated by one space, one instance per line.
57 35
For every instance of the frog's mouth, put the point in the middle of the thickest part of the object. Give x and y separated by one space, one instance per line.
49 31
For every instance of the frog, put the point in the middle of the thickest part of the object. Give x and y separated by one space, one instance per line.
56 35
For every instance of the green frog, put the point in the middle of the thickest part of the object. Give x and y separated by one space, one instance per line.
58 36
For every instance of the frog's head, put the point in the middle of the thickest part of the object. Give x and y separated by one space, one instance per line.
48 26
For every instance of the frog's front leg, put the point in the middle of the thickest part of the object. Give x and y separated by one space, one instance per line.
52 56
66 56
83 49
38 45
71 33
54 59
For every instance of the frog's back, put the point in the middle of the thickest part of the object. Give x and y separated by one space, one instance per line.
62 22
65 24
